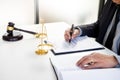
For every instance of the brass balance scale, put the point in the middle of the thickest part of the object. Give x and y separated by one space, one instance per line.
44 46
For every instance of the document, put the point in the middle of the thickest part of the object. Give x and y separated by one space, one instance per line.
79 44
65 69
96 74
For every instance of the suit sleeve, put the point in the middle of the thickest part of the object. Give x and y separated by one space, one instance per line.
118 59
90 30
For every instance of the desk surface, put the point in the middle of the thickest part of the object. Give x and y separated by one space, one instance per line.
18 60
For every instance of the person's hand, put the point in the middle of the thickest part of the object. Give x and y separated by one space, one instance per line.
97 60
67 36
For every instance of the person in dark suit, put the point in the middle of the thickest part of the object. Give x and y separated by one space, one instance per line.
106 31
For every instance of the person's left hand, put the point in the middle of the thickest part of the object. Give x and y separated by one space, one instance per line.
97 60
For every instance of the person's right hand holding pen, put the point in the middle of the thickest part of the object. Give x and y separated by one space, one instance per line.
71 33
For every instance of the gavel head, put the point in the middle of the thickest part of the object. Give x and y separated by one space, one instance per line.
10 28
12 35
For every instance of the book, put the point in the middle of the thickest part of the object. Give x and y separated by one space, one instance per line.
65 69
79 44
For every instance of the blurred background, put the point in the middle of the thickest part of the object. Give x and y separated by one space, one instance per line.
69 11
27 12
17 11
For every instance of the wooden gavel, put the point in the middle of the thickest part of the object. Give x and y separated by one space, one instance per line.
11 35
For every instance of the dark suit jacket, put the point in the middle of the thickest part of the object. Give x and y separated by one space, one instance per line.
99 28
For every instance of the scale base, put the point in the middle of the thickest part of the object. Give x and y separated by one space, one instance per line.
41 52
16 36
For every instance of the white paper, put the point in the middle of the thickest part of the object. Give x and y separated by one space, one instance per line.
78 44
64 63
93 74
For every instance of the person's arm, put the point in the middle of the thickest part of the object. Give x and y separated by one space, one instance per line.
93 30
90 30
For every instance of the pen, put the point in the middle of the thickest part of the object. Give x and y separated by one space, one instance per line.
71 32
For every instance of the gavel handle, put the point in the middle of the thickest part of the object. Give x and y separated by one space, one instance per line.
31 32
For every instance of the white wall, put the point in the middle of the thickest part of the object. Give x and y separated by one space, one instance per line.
18 11
21 12
69 11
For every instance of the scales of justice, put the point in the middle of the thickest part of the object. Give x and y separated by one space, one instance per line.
12 35
44 46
